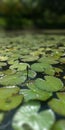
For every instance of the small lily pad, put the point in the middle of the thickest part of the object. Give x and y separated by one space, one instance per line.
27 117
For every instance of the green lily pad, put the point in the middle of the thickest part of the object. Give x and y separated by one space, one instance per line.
58 70
11 102
48 60
62 60
37 67
29 58
14 79
61 95
19 66
27 117
49 71
31 74
50 84
35 95
58 106
59 125
7 92
3 58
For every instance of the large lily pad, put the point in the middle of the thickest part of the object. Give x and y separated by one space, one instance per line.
35 95
50 84
27 118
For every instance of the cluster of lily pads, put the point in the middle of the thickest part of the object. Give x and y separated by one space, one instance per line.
32 73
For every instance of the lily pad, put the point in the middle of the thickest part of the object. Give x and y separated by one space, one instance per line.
37 67
14 79
59 125
61 95
62 60
11 102
19 66
27 117
48 60
50 84
58 106
29 58
35 95
3 58
7 92
31 74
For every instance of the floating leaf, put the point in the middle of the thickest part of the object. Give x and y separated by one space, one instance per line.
61 95
7 92
62 60
58 106
31 74
14 79
28 118
3 58
52 83
19 66
29 58
59 125
37 67
48 60
35 95
11 102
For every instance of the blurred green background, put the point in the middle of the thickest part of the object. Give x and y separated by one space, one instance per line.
26 14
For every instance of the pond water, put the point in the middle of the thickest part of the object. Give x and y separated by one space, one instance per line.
32 82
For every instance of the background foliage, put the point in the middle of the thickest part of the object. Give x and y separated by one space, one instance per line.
19 14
